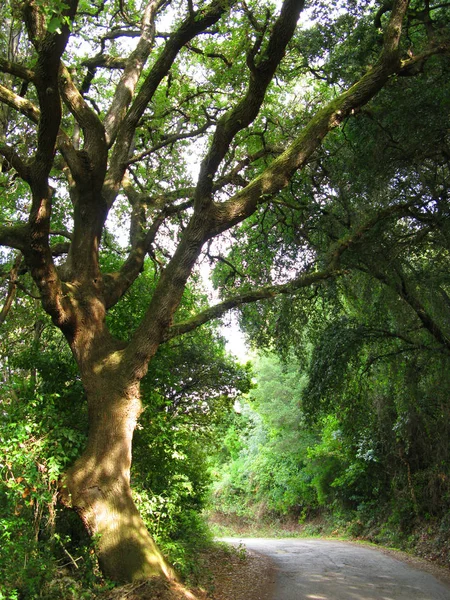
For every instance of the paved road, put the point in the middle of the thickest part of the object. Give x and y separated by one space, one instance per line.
328 570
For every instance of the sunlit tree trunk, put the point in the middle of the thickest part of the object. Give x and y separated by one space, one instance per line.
97 486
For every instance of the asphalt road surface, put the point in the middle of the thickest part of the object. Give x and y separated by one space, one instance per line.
329 570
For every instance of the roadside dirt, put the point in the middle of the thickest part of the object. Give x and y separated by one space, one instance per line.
441 573
227 575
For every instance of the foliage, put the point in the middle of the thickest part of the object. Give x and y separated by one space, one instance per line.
374 458
260 468
39 439
41 395
371 346
320 182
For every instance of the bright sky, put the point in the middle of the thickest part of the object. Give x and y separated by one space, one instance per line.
235 339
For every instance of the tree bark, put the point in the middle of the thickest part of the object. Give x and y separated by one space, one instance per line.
97 486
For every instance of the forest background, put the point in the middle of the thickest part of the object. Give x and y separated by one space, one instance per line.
342 424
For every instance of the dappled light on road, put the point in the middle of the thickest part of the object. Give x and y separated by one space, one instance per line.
332 570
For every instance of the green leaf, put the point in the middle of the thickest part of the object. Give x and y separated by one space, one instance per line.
54 25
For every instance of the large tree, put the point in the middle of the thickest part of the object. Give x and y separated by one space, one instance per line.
108 108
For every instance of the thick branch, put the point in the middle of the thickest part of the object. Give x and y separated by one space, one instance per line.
93 130
117 284
25 107
413 65
234 176
12 287
50 47
133 69
32 112
105 61
279 173
243 114
332 269
13 158
405 291
14 236
209 220
218 310
37 253
39 259
192 26
7 66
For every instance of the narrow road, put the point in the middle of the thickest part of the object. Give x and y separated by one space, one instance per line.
329 570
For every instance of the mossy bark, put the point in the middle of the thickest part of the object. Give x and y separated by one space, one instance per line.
97 486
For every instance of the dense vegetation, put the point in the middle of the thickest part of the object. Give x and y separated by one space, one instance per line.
353 422
44 427
374 463
300 151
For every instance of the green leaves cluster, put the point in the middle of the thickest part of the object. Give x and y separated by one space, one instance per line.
39 439
188 389
260 468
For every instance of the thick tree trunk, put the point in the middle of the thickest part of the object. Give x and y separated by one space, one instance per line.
97 487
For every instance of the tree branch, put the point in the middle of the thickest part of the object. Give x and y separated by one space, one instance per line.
12 287
333 268
246 110
279 173
50 47
405 291
127 85
210 219
233 175
117 284
92 127
413 65
169 140
192 26
7 66
32 112
25 107
13 158
37 252
14 236
105 61
216 311
221 57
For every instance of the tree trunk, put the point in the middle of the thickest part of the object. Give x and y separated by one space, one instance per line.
97 487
